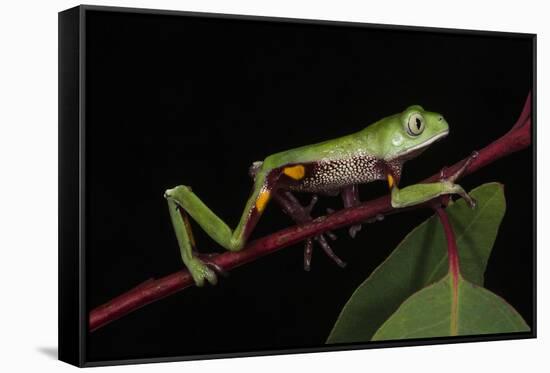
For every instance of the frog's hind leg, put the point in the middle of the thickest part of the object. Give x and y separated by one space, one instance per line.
182 203
300 214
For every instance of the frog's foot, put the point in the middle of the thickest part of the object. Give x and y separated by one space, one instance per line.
457 189
301 215
328 250
206 258
321 240
201 272
308 210
453 188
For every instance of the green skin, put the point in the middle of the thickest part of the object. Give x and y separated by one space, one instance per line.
385 145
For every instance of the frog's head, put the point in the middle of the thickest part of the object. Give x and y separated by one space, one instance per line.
410 133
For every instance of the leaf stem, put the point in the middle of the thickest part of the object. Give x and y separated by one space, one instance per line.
452 251
454 265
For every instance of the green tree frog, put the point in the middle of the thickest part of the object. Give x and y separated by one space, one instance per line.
376 152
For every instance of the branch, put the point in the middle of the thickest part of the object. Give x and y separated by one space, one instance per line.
518 138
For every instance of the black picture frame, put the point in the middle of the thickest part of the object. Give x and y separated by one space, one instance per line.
74 183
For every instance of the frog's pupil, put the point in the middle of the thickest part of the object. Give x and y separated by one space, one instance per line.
418 123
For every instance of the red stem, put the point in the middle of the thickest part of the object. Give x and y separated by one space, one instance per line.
454 265
452 251
519 137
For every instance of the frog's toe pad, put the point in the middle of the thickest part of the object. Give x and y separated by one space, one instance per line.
201 272
354 229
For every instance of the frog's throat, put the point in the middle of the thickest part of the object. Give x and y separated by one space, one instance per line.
425 144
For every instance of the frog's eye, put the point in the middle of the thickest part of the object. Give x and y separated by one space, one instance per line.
415 124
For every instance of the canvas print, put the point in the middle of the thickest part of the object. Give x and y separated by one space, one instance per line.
270 185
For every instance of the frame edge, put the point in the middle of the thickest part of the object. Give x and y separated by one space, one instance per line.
69 166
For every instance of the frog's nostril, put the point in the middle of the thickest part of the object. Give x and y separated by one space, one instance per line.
440 119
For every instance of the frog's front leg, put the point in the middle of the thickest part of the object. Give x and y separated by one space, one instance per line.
420 193
182 202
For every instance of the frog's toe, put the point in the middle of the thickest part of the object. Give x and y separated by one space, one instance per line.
472 203
354 229
211 276
201 272
308 253
328 250
321 240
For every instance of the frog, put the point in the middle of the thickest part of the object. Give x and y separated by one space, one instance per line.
377 152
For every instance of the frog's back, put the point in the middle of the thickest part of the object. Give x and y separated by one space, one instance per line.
333 149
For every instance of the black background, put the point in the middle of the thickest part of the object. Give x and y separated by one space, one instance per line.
188 100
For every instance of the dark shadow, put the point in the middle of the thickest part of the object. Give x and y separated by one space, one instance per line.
49 351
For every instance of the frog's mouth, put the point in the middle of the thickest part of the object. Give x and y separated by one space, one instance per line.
416 150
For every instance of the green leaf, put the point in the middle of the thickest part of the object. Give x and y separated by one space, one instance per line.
429 313
421 259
